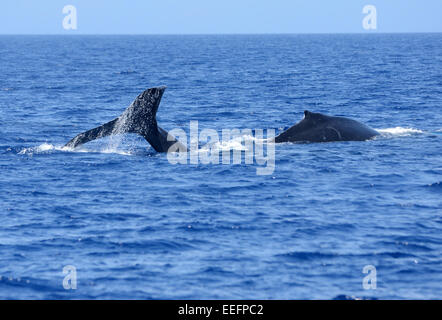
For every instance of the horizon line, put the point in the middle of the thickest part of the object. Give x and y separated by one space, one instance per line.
74 33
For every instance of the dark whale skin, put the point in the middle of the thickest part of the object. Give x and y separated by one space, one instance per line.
317 127
139 118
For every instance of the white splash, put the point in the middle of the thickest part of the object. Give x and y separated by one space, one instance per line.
399 131
47 147
44 147
240 143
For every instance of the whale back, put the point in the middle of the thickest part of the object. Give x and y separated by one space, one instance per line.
317 127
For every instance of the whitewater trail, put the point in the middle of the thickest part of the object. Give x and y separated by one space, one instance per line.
112 147
399 131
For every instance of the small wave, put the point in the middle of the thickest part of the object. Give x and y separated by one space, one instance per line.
435 186
109 150
399 131
124 72
241 143
347 297
44 147
47 148
306 255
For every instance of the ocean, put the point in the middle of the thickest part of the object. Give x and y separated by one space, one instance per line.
113 219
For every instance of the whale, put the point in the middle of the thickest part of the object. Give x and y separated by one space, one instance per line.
318 127
140 118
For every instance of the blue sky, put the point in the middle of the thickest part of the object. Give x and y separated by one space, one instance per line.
218 16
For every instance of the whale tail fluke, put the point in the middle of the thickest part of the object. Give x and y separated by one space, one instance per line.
96 133
140 118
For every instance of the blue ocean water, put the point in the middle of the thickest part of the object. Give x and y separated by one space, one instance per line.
138 227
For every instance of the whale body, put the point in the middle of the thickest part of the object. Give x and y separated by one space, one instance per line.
317 127
139 118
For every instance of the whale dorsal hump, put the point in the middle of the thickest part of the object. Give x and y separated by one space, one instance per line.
313 115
